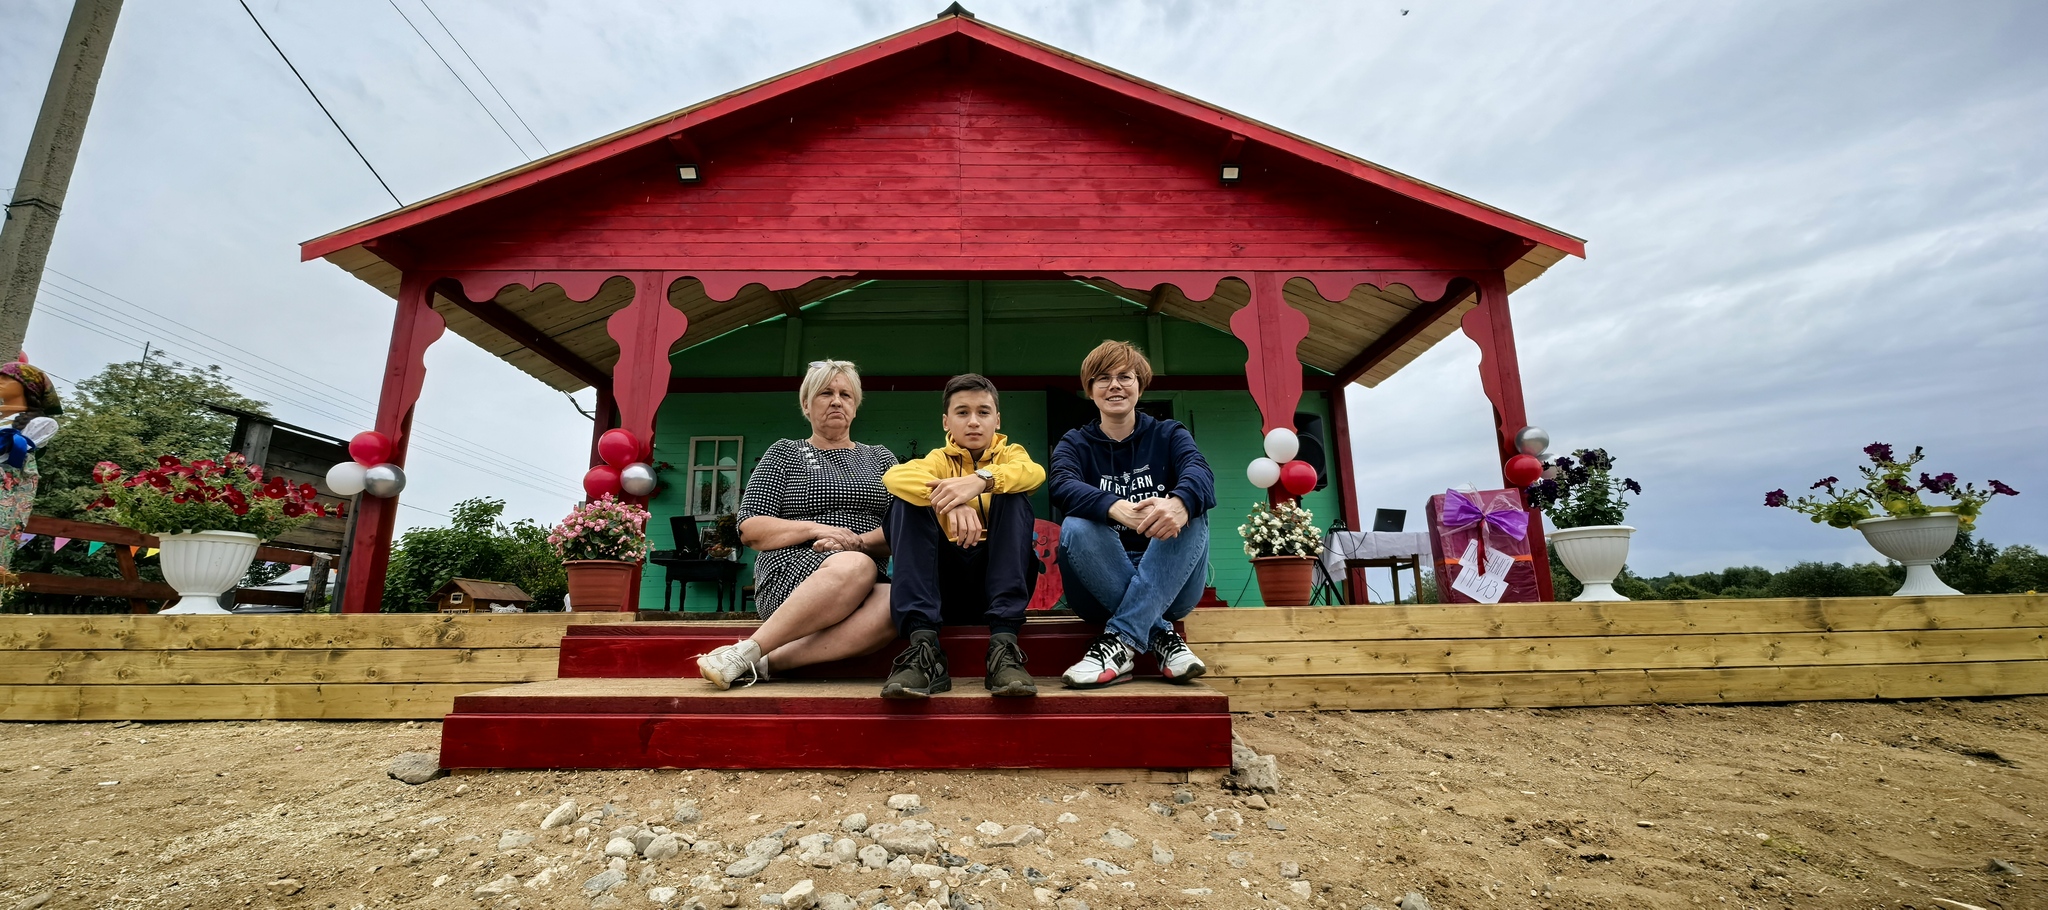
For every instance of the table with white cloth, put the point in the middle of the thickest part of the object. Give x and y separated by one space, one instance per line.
1391 550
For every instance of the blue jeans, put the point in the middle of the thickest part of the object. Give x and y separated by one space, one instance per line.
1132 596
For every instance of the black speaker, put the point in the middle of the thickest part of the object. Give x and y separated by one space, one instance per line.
1309 428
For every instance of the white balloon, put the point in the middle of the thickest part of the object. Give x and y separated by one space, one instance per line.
345 479
1282 445
385 480
637 479
1263 472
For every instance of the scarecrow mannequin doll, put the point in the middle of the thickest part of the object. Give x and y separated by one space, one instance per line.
27 402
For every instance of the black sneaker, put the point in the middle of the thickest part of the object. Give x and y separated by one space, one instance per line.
1176 662
1006 673
920 671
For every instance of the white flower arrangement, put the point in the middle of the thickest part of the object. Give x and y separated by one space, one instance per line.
1283 530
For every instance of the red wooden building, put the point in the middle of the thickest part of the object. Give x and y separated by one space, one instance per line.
953 150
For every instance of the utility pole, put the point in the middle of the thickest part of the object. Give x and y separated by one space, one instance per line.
46 169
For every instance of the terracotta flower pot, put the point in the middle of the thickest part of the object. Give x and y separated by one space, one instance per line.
1285 581
603 585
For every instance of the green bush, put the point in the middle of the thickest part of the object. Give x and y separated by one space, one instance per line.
475 545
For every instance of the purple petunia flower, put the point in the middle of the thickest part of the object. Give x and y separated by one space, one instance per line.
1631 486
1897 486
1828 482
2000 489
1776 498
1879 452
1941 483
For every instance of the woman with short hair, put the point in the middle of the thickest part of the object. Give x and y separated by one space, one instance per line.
813 509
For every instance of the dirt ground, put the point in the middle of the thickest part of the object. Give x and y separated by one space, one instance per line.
1813 805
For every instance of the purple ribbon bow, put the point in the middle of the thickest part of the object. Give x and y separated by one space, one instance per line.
1462 511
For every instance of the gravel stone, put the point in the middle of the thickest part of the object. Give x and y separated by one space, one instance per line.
1239 859
900 866
687 813
1290 869
988 829
1118 839
513 840
663 847
1072 903
801 896
1301 889
874 856
661 895
1161 855
833 900
1183 797
856 823
1105 867
1161 809
903 801
1068 818
925 871
563 814
500 886
422 855
604 881
415 767
1016 836
1413 901
619 846
1250 771
749 866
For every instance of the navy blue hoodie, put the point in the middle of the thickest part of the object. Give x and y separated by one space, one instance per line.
1091 471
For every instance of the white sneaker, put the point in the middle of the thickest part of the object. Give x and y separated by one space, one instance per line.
1176 662
738 663
1106 662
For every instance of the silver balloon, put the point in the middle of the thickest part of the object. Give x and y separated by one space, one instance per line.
637 479
1532 441
385 480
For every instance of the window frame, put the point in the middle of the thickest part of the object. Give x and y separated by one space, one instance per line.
738 469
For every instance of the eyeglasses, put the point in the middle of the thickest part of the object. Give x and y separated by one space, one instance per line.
1128 379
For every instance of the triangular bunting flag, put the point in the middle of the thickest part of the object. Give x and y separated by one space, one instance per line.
152 552
92 547
57 543
24 537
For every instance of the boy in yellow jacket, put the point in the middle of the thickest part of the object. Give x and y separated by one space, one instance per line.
959 530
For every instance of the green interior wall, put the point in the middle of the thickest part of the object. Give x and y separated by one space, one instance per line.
939 328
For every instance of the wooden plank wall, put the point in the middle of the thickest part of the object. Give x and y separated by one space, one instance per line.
1646 652
326 667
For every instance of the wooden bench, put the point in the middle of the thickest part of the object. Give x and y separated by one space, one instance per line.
130 585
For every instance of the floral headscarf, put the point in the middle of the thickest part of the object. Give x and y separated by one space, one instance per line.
38 393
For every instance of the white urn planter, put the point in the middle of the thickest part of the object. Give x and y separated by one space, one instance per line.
200 565
1594 554
1915 543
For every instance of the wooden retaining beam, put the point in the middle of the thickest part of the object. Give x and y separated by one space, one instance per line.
1646 652
331 667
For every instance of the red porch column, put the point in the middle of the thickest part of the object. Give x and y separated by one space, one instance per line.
1271 331
415 326
1500 374
645 330
605 415
1347 486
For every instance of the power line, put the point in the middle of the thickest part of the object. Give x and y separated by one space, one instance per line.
430 446
316 100
343 398
458 78
480 72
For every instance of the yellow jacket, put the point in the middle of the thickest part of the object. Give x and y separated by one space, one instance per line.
1012 467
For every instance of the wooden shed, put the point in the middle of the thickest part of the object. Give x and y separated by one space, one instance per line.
468 595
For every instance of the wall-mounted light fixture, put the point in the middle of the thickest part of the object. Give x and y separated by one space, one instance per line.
1231 174
688 173
687 158
1233 145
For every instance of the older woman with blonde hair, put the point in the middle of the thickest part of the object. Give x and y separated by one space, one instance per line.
814 508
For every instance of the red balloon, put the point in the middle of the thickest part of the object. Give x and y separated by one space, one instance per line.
618 448
1522 470
601 480
1299 477
370 448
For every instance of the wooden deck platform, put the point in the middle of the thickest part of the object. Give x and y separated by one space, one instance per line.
415 666
653 649
685 723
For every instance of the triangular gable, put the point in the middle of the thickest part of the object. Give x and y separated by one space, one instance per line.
951 37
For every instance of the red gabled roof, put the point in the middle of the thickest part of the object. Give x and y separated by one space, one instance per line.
873 59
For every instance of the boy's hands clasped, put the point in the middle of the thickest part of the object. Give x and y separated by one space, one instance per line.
1159 518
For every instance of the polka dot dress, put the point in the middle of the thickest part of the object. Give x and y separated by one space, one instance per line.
801 482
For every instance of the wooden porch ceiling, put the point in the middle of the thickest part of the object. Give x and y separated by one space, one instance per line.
1392 327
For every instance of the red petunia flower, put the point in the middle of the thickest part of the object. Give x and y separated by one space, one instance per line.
277 488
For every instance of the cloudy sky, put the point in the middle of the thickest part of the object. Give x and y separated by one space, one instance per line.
1811 226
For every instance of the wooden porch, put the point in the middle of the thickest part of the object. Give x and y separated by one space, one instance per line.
1543 655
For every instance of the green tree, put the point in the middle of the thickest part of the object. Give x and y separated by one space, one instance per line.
476 544
128 413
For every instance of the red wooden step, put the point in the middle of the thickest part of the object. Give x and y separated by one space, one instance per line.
657 649
685 723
